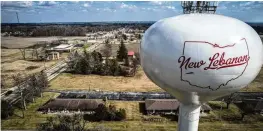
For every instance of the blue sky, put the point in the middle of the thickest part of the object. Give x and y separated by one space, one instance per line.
52 11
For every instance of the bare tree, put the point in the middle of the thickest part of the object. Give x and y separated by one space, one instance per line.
230 99
3 83
33 86
246 109
107 51
42 82
19 81
23 52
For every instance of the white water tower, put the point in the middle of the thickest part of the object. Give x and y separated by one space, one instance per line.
200 57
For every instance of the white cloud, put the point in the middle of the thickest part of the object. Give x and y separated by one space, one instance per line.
20 4
170 7
47 3
128 6
149 9
222 7
247 3
86 5
11 10
156 2
107 9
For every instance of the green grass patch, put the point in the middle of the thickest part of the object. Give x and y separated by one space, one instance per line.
32 117
135 119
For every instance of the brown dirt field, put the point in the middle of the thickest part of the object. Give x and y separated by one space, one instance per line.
12 63
138 83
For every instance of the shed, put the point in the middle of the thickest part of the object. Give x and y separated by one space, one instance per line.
62 48
131 54
161 106
205 108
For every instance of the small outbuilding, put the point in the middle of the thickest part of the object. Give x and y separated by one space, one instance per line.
205 108
131 54
62 48
161 106
53 56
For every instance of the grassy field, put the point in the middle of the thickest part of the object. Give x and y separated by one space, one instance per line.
256 85
32 117
229 119
132 109
139 83
217 120
172 126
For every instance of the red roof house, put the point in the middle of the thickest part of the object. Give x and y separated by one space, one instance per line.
130 53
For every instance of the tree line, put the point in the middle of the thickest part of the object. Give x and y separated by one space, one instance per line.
63 29
93 63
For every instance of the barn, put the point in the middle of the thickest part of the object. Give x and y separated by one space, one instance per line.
168 106
82 105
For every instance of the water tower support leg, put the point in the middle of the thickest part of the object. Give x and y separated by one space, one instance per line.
188 117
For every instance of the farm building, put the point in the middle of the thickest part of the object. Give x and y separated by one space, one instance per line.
83 105
205 108
167 106
62 48
53 55
161 106
259 107
257 104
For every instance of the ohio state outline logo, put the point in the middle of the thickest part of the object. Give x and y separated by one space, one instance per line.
198 70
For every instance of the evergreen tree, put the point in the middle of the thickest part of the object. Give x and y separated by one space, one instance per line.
115 68
42 81
124 36
126 61
107 51
139 36
122 53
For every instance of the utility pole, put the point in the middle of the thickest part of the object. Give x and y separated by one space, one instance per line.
17 17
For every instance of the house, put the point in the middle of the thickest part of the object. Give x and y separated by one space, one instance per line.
161 106
131 54
168 106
